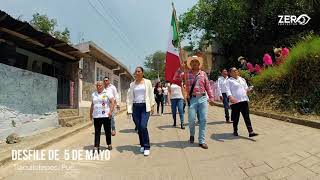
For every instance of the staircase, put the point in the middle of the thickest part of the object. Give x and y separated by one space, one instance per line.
69 117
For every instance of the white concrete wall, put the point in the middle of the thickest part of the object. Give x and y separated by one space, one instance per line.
28 102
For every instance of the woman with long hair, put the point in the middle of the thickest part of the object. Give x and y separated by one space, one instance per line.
159 94
140 102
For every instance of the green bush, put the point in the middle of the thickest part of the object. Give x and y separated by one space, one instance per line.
297 79
245 74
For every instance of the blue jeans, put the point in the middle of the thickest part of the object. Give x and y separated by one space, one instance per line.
177 103
141 118
198 108
226 106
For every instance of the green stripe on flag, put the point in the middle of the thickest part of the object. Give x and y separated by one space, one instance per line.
175 37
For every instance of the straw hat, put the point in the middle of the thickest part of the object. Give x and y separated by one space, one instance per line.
277 50
239 58
199 59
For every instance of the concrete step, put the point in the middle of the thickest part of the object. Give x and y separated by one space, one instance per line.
70 121
67 112
75 122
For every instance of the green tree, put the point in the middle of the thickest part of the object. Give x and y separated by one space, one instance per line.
155 64
46 25
247 27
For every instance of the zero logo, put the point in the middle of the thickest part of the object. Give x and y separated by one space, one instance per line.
303 19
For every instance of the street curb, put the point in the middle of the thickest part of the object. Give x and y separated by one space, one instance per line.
85 125
299 121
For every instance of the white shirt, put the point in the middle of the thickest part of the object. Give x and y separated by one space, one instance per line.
101 104
114 92
165 90
149 96
139 93
237 88
176 92
222 85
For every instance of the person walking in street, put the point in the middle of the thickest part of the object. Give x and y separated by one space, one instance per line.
177 100
101 111
165 94
237 90
140 102
222 90
159 96
113 90
197 85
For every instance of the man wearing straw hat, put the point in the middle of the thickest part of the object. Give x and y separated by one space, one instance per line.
198 87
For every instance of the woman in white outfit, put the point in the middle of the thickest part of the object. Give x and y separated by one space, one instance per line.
140 102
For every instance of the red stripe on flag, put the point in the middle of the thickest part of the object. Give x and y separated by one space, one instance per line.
172 65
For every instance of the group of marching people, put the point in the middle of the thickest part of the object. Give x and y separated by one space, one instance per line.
190 84
280 54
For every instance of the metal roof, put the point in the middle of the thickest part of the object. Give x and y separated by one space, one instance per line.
26 32
90 47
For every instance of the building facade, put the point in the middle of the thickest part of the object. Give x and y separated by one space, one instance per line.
38 75
94 66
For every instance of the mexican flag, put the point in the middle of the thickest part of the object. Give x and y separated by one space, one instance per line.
172 56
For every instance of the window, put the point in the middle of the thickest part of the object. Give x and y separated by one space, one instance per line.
102 72
97 76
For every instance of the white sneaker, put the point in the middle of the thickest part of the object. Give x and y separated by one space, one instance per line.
142 149
161 114
146 152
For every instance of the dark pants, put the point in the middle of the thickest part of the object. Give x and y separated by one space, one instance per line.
226 106
242 107
135 125
159 102
141 117
98 122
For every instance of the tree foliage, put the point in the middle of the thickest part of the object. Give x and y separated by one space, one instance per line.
44 24
247 27
154 64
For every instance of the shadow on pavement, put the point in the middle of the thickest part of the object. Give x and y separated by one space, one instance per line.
217 122
165 127
133 148
172 127
127 131
175 144
228 136
91 147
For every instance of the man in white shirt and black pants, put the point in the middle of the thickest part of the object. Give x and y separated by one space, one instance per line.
113 90
222 90
237 89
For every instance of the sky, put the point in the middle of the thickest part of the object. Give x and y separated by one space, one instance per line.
129 30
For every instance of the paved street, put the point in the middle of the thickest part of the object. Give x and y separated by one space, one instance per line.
282 151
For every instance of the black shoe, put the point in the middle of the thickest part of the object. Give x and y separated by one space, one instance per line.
235 134
182 126
253 134
174 125
191 139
